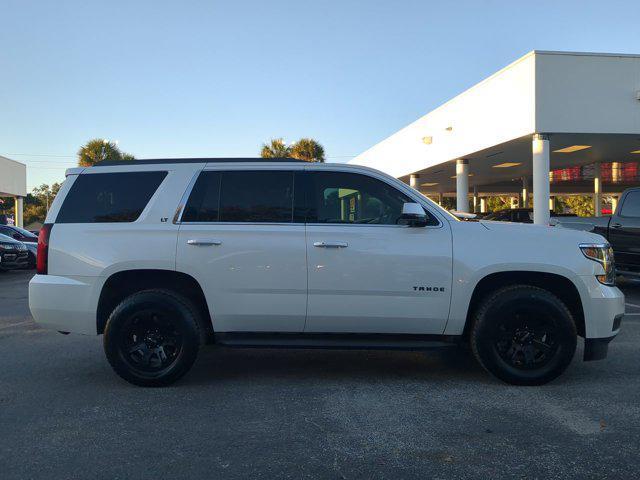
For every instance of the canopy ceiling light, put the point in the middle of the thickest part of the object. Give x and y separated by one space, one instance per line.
572 148
636 151
507 164
453 176
429 184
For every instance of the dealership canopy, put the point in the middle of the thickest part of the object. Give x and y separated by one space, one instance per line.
556 123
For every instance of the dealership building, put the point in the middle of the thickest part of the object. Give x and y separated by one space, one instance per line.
549 124
13 183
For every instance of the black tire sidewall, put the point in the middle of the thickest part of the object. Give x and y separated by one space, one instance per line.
183 316
485 328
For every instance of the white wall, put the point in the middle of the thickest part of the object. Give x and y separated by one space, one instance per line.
494 111
587 93
13 177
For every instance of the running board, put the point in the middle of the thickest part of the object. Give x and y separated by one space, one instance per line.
337 341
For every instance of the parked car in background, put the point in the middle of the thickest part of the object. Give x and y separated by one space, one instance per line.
163 256
13 254
622 229
518 215
29 239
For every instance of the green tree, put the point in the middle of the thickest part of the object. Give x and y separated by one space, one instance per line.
581 205
276 148
498 203
97 150
308 149
37 203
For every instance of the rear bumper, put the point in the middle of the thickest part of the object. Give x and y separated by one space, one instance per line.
66 304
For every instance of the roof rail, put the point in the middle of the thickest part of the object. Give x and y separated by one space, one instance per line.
146 161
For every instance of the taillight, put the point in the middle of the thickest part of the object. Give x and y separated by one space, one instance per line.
42 264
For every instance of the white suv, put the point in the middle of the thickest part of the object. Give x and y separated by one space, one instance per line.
163 256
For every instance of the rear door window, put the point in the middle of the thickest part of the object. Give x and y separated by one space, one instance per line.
242 196
109 197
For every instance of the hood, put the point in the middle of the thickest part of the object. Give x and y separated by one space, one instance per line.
541 232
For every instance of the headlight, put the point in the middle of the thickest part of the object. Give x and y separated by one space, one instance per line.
603 254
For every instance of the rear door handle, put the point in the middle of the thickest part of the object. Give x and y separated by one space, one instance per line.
203 243
331 244
616 225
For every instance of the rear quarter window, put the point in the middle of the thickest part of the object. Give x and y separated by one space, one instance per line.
109 197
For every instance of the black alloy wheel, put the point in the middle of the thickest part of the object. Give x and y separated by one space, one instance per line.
152 337
524 335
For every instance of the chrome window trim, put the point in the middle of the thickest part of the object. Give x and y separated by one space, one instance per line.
177 217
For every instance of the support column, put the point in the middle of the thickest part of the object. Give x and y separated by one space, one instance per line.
440 199
525 192
541 188
475 199
483 205
597 190
462 185
18 211
414 181
552 204
514 202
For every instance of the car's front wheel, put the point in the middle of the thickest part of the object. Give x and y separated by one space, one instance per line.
152 337
523 335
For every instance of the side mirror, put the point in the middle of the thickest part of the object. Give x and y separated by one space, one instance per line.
17 236
413 215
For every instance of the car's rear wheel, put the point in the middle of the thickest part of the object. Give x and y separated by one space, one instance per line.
152 338
523 335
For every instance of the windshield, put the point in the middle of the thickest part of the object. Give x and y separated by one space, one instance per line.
25 233
5 239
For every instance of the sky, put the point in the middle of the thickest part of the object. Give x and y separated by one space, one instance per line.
219 78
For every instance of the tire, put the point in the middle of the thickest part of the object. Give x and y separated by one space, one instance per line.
152 338
523 335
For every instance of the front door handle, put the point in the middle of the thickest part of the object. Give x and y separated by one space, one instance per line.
616 225
331 244
203 243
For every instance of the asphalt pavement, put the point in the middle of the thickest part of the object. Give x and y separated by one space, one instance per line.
308 414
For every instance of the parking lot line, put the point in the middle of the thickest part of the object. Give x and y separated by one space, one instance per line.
15 324
632 305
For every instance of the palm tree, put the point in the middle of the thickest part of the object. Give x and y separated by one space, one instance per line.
308 149
97 150
276 148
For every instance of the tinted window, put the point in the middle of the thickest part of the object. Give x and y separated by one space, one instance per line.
204 201
109 197
19 234
631 205
339 197
241 196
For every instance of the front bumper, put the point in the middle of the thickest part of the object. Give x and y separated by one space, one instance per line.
13 259
603 312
